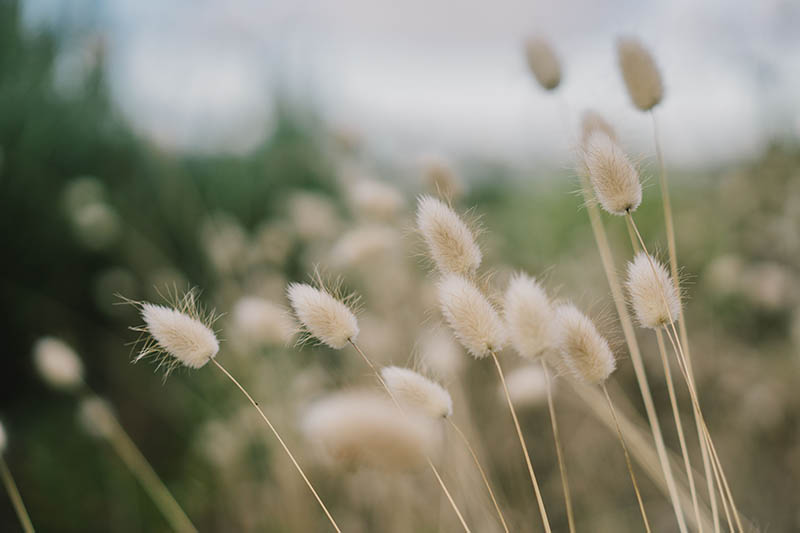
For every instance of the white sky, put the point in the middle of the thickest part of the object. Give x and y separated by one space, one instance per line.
419 76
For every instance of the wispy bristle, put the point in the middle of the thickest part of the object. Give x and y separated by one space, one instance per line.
653 294
641 75
418 391
543 62
450 242
613 176
57 363
474 321
584 352
529 317
323 316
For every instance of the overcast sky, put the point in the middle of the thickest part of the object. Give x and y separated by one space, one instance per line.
449 76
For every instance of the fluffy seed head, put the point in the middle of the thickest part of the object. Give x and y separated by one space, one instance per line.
417 391
375 199
57 363
613 176
474 321
450 242
640 73
543 62
324 317
365 428
3 439
262 322
584 352
179 334
529 317
591 122
96 417
364 244
527 386
653 295
440 355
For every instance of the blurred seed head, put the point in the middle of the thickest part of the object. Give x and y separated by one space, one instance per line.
96 417
584 352
591 122
376 200
323 317
417 391
364 245
640 72
529 317
225 242
527 386
57 363
96 225
543 62
613 176
313 216
450 242
262 322
441 179
473 319
653 295
3 439
440 355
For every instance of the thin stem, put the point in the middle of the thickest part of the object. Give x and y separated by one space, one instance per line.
16 498
280 440
427 458
633 346
482 472
139 466
535 483
559 453
678 425
627 458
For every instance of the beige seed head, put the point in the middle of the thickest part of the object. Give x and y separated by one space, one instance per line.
365 428
529 317
57 363
640 72
543 62
179 333
584 352
654 297
324 317
417 391
96 417
260 321
527 386
613 176
441 179
363 245
440 355
474 321
450 242
375 199
591 122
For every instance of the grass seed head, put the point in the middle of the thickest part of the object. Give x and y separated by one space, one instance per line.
591 122
529 317
653 294
96 417
323 316
57 363
614 178
417 391
473 319
640 72
450 242
527 386
584 352
543 62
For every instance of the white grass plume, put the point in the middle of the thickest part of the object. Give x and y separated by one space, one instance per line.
653 295
473 319
57 363
417 391
96 417
613 176
450 242
365 428
261 321
323 317
543 62
529 317
640 72
584 352
527 386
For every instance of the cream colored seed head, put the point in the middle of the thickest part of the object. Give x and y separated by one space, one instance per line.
654 297
417 391
57 363
584 352
260 321
527 386
543 62
184 337
474 321
529 317
641 75
324 317
450 242
613 176
96 417
591 122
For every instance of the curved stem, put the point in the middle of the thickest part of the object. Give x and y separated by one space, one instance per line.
535 483
16 498
559 452
427 458
482 472
627 459
280 440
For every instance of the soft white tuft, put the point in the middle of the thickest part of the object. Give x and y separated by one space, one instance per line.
543 62
584 352
474 321
654 297
57 363
613 176
322 315
3 439
417 391
527 386
179 334
529 317
641 74
365 428
96 417
450 242
260 321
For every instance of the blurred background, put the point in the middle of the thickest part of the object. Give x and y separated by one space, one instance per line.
238 146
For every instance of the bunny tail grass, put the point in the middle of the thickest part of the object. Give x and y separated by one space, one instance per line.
559 452
627 458
535 483
16 498
633 346
427 458
280 440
